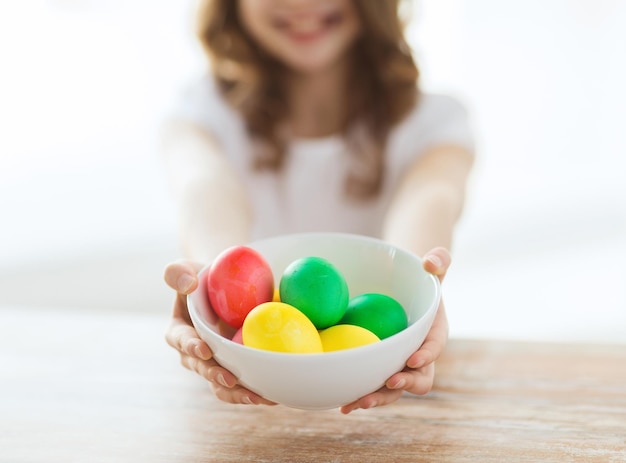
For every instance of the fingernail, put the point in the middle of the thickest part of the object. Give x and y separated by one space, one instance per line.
199 353
436 261
220 379
419 364
184 282
400 384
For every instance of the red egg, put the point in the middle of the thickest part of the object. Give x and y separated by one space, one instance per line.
239 279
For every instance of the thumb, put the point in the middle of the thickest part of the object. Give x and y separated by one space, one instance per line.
182 276
437 261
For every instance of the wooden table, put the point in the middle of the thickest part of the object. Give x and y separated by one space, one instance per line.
104 387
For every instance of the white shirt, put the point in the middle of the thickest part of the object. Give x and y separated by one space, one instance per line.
307 194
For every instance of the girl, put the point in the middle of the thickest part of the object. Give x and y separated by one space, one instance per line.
311 119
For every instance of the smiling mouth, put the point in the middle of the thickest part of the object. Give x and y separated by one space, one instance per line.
308 27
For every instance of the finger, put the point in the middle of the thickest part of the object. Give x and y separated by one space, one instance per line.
437 261
383 396
182 276
417 382
184 338
240 395
435 341
181 310
210 370
224 383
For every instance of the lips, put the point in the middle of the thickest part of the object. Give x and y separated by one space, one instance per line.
307 27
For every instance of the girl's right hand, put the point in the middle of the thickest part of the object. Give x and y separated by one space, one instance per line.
195 354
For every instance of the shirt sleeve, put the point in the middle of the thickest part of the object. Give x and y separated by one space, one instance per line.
200 102
436 119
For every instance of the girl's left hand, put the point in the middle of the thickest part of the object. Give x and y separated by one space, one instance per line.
418 375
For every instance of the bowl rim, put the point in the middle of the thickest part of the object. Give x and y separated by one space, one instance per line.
197 317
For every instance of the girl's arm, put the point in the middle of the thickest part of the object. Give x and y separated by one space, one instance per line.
429 200
421 219
214 212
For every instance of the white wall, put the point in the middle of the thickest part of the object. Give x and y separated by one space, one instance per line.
539 252
84 84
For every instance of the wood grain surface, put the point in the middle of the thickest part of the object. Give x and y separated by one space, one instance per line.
97 387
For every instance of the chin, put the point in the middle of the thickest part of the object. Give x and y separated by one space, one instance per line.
311 62
312 66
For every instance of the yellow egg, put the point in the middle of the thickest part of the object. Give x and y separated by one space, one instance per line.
280 327
339 337
276 297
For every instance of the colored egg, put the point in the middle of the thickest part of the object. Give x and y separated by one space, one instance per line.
317 288
339 337
279 327
238 336
239 279
276 297
379 313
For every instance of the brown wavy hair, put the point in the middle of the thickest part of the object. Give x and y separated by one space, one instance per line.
383 86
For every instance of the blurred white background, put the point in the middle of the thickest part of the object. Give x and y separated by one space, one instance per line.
86 221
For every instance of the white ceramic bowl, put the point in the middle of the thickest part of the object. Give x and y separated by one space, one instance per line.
329 380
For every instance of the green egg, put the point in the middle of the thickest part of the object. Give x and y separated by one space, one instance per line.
379 313
315 287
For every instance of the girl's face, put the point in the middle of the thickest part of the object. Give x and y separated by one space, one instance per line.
306 35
